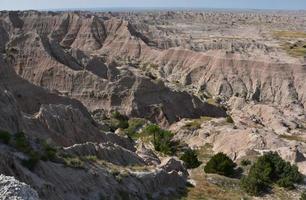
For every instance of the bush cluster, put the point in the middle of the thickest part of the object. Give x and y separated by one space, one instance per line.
190 159
162 139
133 125
118 121
74 162
22 144
268 169
220 164
49 152
245 162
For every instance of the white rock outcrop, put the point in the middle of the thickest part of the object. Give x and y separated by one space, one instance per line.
12 189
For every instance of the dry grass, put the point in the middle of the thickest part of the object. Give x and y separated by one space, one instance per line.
74 162
297 49
298 138
212 101
289 34
196 123
212 186
294 48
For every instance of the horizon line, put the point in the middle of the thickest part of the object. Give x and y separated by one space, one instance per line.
117 8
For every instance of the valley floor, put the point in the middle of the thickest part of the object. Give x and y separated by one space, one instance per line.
215 187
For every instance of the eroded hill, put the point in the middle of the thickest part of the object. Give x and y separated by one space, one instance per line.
63 75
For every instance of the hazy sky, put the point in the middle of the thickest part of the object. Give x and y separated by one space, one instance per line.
64 4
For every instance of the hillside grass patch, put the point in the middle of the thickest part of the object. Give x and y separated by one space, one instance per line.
289 34
298 138
196 123
297 49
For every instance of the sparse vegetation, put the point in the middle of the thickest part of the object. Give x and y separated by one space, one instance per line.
196 123
220 164
289 34
5 137
190 159
212 186
91 158
293 48
268 169
297 49
118 120
133 126
21 142
73 162
162 139
49 152
245 162
294 138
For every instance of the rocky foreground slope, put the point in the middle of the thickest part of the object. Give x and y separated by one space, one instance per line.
63 73
13 189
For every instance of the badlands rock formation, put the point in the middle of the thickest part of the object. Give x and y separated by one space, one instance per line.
232 79
64 125
10 188
62 52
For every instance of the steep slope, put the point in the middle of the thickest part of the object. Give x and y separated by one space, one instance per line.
80 72
63 122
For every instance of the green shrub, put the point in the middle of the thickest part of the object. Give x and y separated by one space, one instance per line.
74 162
152 129
252 185
220 164
122 124
133 126
268 169
21 142
91 158
163 142
5 137
245 162
190 159
117 115
303 195
162 139
118 121
49 152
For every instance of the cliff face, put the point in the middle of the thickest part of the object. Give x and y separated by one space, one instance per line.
278 83
64 52
74 54
44 114
87 57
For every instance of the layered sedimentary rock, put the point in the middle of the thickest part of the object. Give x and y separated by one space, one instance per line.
46 115
56 68
55 56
